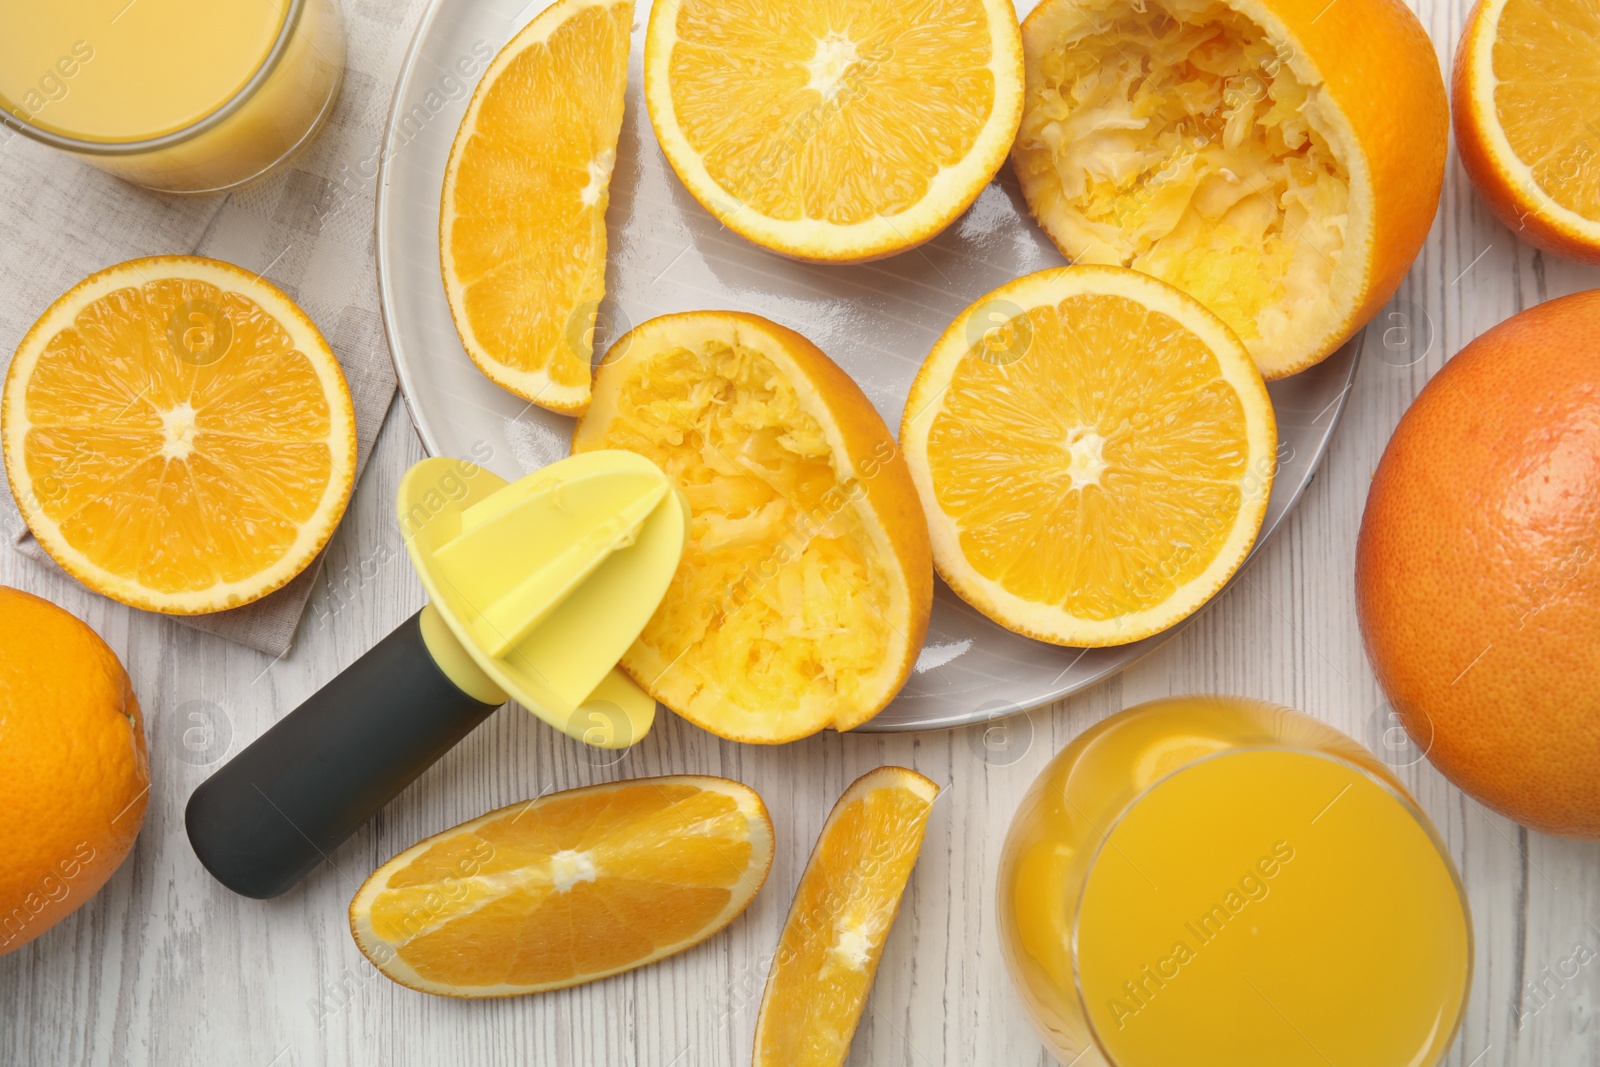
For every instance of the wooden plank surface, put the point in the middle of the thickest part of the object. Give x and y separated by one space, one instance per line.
166 967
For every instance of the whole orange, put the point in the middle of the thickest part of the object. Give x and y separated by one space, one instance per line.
74 774
1478 568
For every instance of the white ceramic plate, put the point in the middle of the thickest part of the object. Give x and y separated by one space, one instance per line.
878 321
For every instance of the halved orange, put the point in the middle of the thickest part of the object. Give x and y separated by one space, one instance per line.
1278 160
1094 450
837 132
843 908
566 888
178 435
1526 95
522 219
804 592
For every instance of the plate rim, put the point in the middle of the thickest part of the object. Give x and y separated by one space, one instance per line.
978 716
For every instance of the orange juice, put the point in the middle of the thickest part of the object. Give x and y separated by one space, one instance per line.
184 95
1207 881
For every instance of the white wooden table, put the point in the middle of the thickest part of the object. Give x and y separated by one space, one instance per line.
166 967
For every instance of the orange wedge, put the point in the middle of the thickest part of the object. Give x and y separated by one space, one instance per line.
1279 160
1526 95
522 222
566 888
839 132
804 592
842 912
1094 450
178 435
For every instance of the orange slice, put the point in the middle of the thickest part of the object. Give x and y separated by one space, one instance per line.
522 222
1241 150
566 888
1526 95
838 132
804 591
1094 450
845 904
178 435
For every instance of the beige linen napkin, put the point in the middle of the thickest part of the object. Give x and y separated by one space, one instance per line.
307 229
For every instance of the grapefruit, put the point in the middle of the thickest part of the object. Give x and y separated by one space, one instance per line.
1478 568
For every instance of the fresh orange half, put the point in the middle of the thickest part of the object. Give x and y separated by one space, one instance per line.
804 592
845 904
1526 95
1279 160
835 132
1094 450
522 222
178 435
566 888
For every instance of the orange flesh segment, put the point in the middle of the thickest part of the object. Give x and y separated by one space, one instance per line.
1119 477
1546 60
527 244
176 472
806 111
841 916
568 886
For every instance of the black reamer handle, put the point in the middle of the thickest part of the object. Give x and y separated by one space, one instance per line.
280 807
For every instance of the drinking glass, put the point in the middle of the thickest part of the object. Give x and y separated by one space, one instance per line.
278 108
1205 880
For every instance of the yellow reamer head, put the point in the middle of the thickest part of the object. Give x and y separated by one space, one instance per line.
538 586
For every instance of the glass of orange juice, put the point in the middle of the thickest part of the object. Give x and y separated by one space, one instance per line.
185 96
1217 881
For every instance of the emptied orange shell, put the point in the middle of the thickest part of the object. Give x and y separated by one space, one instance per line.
804 592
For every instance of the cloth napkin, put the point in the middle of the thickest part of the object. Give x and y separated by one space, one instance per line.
307 228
